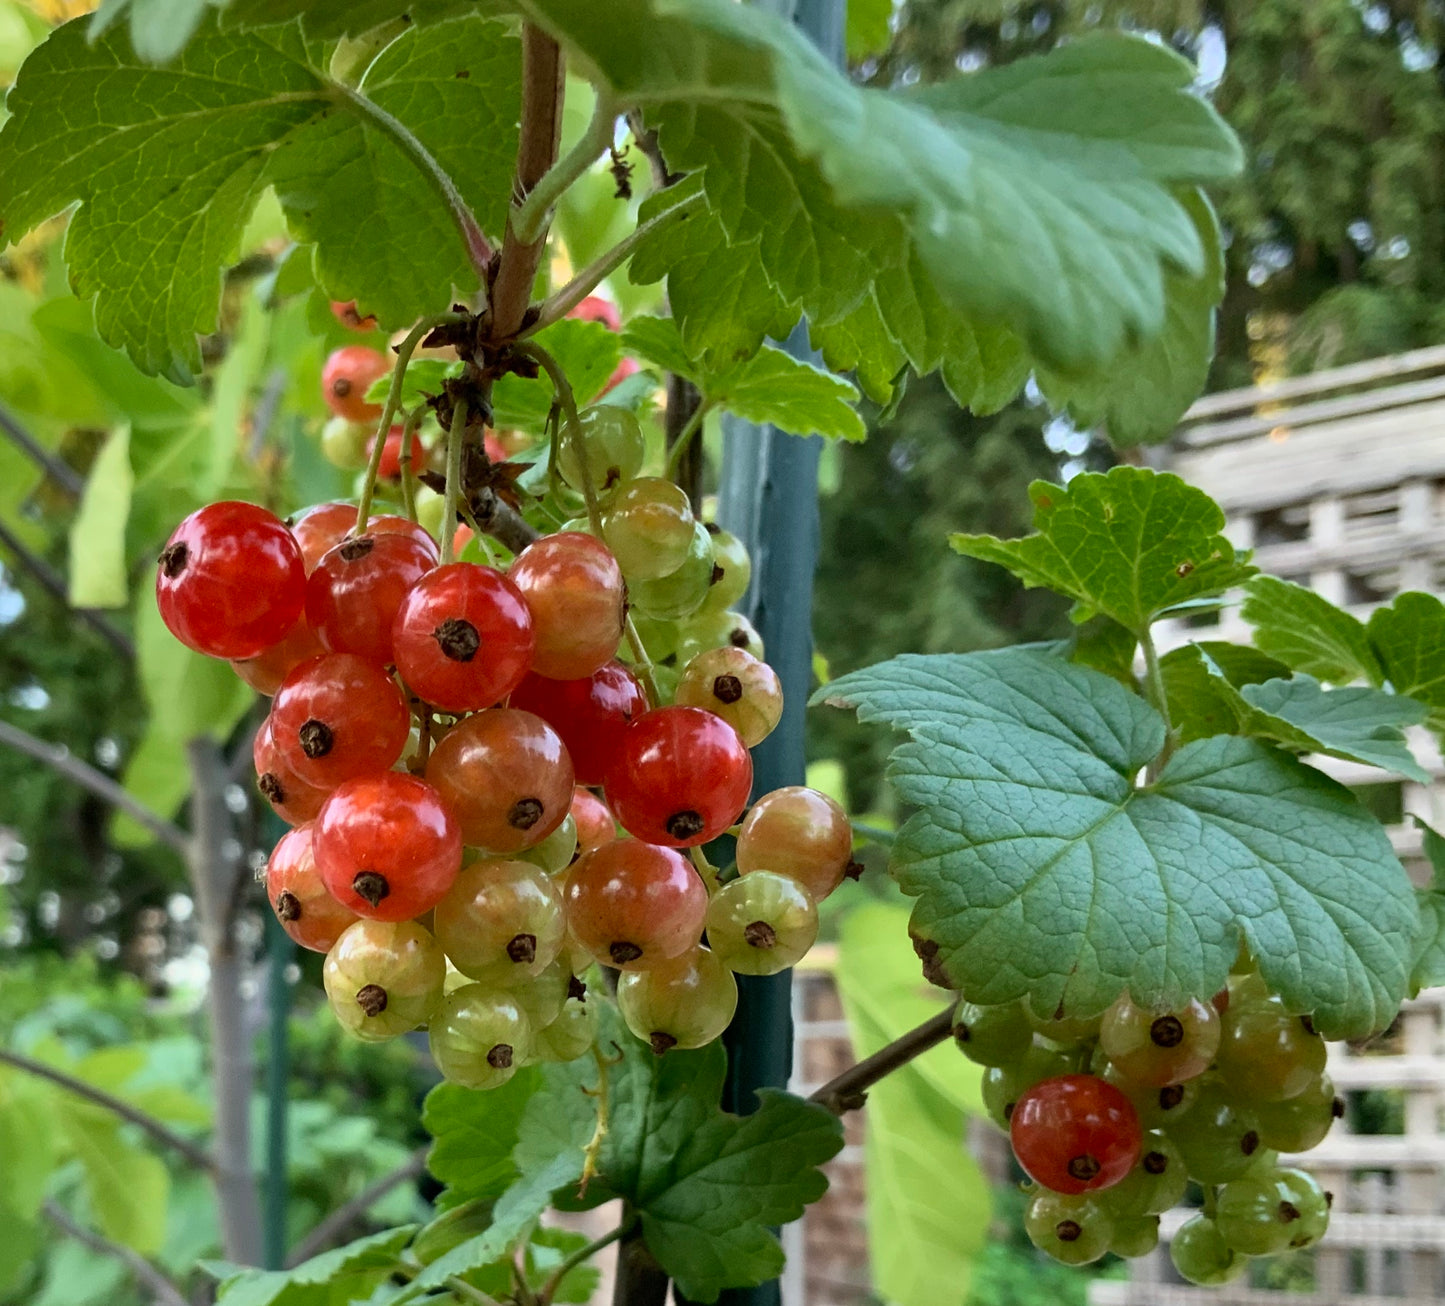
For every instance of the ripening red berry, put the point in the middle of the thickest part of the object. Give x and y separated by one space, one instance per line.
322 528
347 314
680 777
386 846
337 717
353 595
596 309
389 469
632 904
462 637
595 825
307 912
573 585
1075 1133
506 776
291 798
589 714
265 672
229 580
347 376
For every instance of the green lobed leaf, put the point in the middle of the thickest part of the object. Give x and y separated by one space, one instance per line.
1428 958
1128 543
1308 633
1409 639
473 1136
344 1274
28 1143
329 19
1042 871
424 378
127 1186
97 535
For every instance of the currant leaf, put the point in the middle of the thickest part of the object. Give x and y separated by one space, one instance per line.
1308 633
1041 869
1409 638
471 1150
1129 544
1428 962
348 1273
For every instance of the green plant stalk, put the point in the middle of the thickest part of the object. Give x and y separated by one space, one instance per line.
455 437
685 437
593 1149
404 351
408 476
1158 696
554 1280
461 1288
530 217
479 251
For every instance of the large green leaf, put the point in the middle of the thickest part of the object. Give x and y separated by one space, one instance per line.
1307 632
1042 870
473 1136
27 1142
1129 544
1409 639
127 1186
167 164
1428 960
928 1203
97 535
344 1274
587 353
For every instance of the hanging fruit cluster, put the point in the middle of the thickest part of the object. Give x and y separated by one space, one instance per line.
1111 1118
437 734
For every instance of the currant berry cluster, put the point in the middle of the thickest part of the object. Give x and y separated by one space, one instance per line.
1111 1118
437 736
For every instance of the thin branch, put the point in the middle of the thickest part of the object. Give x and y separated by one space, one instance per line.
146 1274
1159 697
677 449
59 758
530 218
848 1091
453 490
479 252
51 582
61 472
554 1280
492 516
343 1217
197 1156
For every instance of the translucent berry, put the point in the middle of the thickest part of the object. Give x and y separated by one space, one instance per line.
389 468
1300 1123
1160 1047
543 995
501 922
1266 1054
1218 1140
230 582
480 1036
614 446
992 1036
707 630
506 776
1158 1108
1303 1192
291 798
1135 1237
557 851
648 527
680 592
265 672
734 685
684 1002
1004 1085
595 826
573 586
1075 1133
337 717
732 571
384 978
1059 1028
680 777
1073 1229
353 596
307 912
798 832
1256 1215
632 904
320 529
462 637
762 923
387 847
589 714
1201 1255
1156 1183
571 1034
347 376
345 444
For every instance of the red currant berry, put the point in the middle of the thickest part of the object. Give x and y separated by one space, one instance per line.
307 912
337 717
353 595
506 776
387 847
798 832
574 587
1075 1133
680 777
291 798
595 825
265 672
462 637
229 581
632 904
596 309
322 528
347 376
389 469
347 314
589 714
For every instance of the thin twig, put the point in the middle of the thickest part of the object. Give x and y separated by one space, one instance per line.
325 1234
197 1156
685 438
146 1274
59 471
531 216
453 491
848 1091
554 1280
60 759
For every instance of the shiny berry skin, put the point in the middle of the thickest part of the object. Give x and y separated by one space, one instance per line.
1075 1134
266 671
353 596
345 444
1266 1054
1201 1255
648 526
291 798
337 717
590 714
573 585
307 912
1002 1086
501 922
632 904
462 637
346 313
732 570
681 592
762 923
387 847
705 630
1218 1137
680 777
228 580
322 528
1072 1229
346 377
570 1035
557 851
595 825
992 1036
685 1002
384 978
734 685
1156 1184
389 469
799 832
1300 1123
506 776
480 1038
1155 1048
615 447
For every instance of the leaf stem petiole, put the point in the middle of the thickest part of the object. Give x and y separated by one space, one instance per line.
530 217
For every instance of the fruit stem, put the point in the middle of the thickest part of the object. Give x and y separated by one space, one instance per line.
408 476
554 1280
459 1287
593 1150
685 437
530 217
847 1092
875 833
1158 696
705 869
404 352
479 251
455 437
